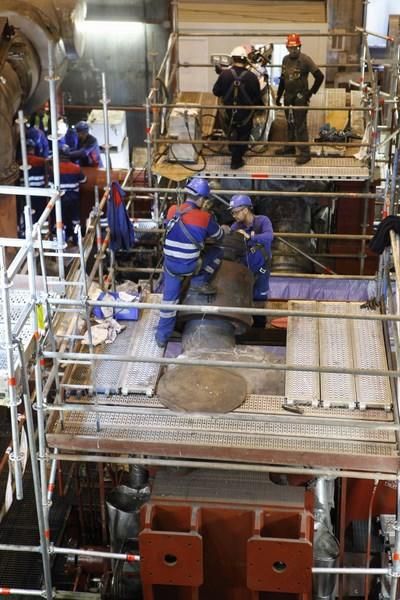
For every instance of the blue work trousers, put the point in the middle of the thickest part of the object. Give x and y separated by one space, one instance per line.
174 274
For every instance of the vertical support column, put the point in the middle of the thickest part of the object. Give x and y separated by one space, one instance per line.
396 551
40 404
25 167
52 79
99 241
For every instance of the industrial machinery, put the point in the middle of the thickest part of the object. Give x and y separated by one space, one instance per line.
235 464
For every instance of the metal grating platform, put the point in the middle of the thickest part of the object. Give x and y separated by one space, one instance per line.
274 167
337 343
136 340
339 438
19 304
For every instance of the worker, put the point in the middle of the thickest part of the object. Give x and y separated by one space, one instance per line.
258 234
187 229
37 178
88 152
38 136
71 176
293 85
238 86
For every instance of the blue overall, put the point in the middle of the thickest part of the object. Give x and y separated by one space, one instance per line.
258 253
187 229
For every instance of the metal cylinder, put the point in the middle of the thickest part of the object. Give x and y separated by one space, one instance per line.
207 335
326 546
123 505
234 283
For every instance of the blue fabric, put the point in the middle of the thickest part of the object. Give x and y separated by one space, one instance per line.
211 262
41 141
308 288
122 236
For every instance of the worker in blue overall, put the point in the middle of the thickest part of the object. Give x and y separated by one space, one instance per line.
257 235
71 177
185 255
37 178
88 152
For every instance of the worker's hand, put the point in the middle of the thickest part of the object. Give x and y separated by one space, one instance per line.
226 228
243 233
278 102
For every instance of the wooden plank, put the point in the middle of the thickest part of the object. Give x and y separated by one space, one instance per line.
256 11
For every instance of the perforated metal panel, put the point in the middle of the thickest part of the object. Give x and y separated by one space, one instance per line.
19 300
221 433
273 167
337 389
302 349
369 353
111 377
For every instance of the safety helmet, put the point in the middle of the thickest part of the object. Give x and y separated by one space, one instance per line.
198 187
82 126
239 52
293 40
240 200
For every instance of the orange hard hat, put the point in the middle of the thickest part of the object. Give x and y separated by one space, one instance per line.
293 39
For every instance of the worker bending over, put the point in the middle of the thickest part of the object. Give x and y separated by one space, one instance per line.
293 85
88 152
188 227
257 235
238 86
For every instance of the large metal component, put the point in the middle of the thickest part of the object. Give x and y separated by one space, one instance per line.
224 535
204 388
26 58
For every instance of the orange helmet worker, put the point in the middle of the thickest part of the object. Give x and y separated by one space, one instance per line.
293 86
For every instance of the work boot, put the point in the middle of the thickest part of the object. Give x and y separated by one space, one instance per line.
286 151
237 164
205 289
302 159
160 342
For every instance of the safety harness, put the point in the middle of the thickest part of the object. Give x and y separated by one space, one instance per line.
232 95
177 220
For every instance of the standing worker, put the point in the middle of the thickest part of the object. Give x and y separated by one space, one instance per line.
71 176
188 227
293 84
88 152
258 235
238 86
37 178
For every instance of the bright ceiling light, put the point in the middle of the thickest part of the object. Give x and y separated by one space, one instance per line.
112 27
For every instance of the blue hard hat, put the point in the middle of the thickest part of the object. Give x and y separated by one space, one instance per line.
240 200
198 187
82 126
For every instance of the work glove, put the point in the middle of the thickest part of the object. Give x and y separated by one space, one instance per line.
278 102
226 229
218 69
243 233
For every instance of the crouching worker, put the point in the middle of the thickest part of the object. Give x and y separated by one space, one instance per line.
185 255
257 235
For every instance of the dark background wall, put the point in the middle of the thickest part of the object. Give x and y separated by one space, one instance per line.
128 59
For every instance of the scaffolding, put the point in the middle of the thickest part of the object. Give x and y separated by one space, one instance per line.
120 420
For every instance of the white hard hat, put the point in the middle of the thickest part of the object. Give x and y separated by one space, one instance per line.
239 51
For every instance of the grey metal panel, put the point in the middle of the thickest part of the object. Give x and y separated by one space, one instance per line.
337 389
273 167
302 387
136 340
369 353
183 431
